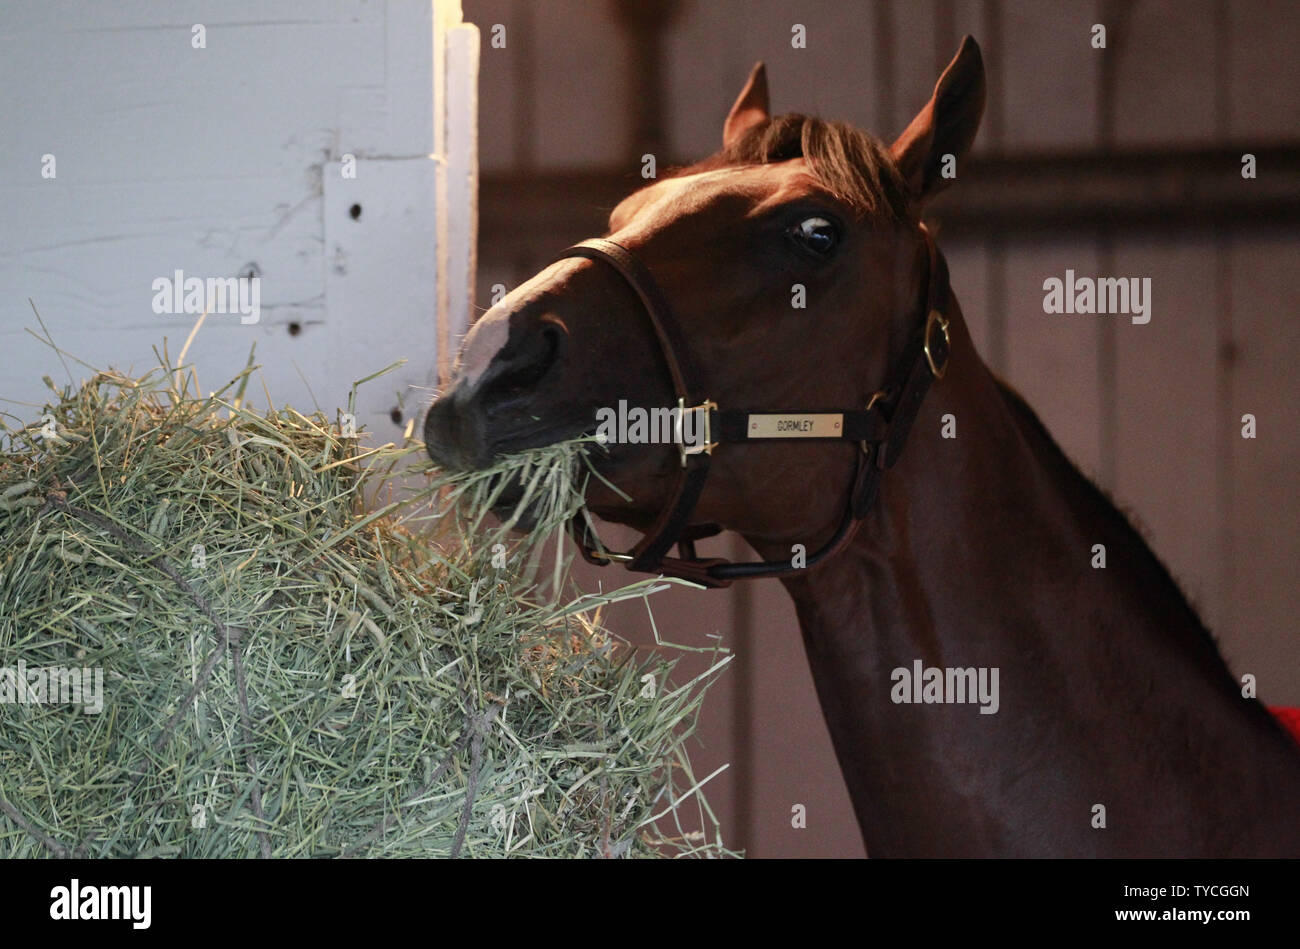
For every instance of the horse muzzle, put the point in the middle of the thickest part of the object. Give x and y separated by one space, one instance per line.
456 431
508 407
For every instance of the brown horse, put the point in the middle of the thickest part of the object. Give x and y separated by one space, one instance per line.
1114 726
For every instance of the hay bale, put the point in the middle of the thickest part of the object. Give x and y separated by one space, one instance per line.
288 673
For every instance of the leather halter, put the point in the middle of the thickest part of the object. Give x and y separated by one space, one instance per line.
881 429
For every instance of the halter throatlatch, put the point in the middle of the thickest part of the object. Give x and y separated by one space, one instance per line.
880 429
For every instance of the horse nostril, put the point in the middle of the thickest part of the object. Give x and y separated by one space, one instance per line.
523 369
552 336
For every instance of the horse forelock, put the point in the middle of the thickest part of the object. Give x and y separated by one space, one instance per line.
846 161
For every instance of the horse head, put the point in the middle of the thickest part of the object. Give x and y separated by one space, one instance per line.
795 265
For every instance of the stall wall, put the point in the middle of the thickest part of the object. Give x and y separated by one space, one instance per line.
326 149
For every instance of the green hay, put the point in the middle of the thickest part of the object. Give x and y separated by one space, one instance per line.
292 669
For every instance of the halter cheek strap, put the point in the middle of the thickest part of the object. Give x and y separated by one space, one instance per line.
880 429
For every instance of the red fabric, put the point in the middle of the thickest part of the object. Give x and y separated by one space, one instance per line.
1290 719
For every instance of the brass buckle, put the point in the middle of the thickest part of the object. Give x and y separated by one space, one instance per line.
606 555
679 429
937 317
585 536
875 397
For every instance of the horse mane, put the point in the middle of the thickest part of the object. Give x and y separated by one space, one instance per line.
852 165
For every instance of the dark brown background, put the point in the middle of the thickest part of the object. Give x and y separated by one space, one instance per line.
1124 161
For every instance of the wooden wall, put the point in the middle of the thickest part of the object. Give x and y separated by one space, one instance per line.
1151 411
220 154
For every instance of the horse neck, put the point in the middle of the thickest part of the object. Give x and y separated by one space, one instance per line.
979 554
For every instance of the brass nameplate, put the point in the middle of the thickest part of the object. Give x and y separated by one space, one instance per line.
796 425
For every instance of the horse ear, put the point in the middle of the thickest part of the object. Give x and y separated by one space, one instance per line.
945 127
750 109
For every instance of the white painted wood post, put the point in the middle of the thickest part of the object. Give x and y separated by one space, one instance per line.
461 205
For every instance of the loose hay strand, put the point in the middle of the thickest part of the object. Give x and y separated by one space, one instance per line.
310 648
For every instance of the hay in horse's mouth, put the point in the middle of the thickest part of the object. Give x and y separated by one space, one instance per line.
512 489
529 490
509 489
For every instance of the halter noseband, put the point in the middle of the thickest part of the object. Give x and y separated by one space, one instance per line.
881 429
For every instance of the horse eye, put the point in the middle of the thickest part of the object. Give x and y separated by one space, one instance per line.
815 234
